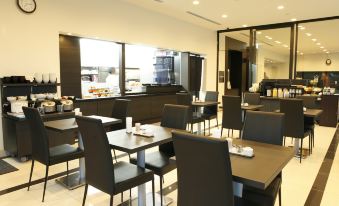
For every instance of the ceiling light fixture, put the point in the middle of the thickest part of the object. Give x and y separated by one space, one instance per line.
281 7
308 34
196 2
259 32
69 34
278 42
245 25
327 52
314 39
285 45
301 53
318 44
224 16
294 19
302 28
268 37
322 47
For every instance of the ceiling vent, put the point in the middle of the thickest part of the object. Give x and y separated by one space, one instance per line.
204 18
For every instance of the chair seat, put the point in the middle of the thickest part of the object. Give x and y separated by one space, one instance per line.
63 153
129 175
158 162
263 197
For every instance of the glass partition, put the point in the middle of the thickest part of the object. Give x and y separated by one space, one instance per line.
99 68
318 54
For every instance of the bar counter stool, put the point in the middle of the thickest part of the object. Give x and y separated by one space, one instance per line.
231 114
173 116
40 147
265 127
101 173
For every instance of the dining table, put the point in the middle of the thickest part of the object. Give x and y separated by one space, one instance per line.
132 143
76 180
257 171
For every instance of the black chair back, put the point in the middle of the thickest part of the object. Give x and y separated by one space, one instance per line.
186 99
98 158
252 98
265 127
308 101
121 110
40 141
173 116
212 97
294 117
202 180
231 115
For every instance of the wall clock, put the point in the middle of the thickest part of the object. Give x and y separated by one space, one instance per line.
328 62
27 6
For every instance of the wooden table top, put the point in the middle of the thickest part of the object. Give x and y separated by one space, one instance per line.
63 125
127 142
252 107
310 112
260 170
204 104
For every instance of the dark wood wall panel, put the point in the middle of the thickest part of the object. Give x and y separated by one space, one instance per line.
70 66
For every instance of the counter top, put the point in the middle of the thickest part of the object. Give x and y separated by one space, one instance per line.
133 95
44 116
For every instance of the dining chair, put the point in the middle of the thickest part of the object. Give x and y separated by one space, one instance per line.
310 103
231 114
120 110
264 127
193 118
252 98
173 116
211 112
101 173
294 121
201 181
41 151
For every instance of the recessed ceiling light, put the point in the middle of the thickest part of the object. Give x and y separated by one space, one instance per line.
322 47
294 19
301 53
268 37
278 42
314 39
327 52
244 25
224 16
69 33
196 2
281 7
308 34
318 44
302 28
285 45
258 32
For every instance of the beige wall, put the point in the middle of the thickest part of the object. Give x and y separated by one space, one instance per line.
316 62
30 43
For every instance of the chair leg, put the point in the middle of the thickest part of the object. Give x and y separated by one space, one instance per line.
228 133
161 190
217 123
30 175
313 137
204 128
221 132
122 197
111 201
130 194
46 176
85 194
280 196
209 127
232 132
153 192
301 150
115 156
191 127
67 171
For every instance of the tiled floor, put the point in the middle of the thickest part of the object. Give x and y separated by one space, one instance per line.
297 181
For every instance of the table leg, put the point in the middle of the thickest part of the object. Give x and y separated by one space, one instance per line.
141 188
75 180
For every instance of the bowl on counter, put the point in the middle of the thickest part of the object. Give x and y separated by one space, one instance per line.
22 98
11 99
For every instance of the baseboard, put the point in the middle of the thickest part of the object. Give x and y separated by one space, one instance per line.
2 154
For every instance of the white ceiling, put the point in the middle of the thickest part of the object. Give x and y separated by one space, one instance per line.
241 12
259 12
